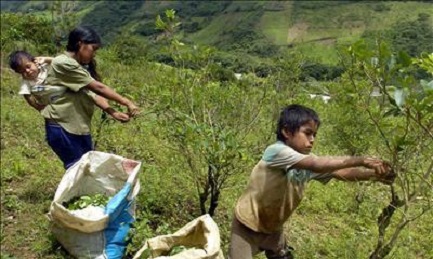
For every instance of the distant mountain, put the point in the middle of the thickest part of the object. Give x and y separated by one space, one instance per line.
314 27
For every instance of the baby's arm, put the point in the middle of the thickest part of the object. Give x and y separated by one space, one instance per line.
42 60
31 100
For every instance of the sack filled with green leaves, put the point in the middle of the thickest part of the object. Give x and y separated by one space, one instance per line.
81 202
94 205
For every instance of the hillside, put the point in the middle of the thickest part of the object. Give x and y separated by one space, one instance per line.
313 27
202 129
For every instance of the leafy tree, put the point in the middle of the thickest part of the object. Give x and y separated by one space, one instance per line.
63 19
321 72
26 31
37 33
209 120
167 25
401 112
109 17
146 29
414 37
288 70
130 48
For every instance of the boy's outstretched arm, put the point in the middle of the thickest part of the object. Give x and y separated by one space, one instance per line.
364 174
350 168
354 174
327 164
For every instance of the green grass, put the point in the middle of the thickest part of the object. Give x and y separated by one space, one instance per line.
274 26
321 53
213 32
343 23
329 223
317 32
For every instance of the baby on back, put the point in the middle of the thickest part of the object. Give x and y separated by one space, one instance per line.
34 72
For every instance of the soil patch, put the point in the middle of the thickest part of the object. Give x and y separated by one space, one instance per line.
297 32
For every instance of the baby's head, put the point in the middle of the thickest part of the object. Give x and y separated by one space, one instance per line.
23 63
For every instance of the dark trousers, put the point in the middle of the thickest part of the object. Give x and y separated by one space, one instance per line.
245 243
68 147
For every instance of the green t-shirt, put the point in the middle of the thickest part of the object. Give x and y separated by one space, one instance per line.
74 109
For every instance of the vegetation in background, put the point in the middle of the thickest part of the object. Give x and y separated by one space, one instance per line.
401 112
252 33
412 37
198 112
63 19
201 128
28 32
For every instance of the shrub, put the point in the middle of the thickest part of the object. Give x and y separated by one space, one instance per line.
320 72
381 7
31 31
147 29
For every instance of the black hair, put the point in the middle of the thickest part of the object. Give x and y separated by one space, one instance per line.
293 117
84 34
88 36
17 58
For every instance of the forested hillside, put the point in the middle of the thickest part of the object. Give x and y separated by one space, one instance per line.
210 78
250 33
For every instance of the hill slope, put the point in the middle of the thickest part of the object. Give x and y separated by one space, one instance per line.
314 27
